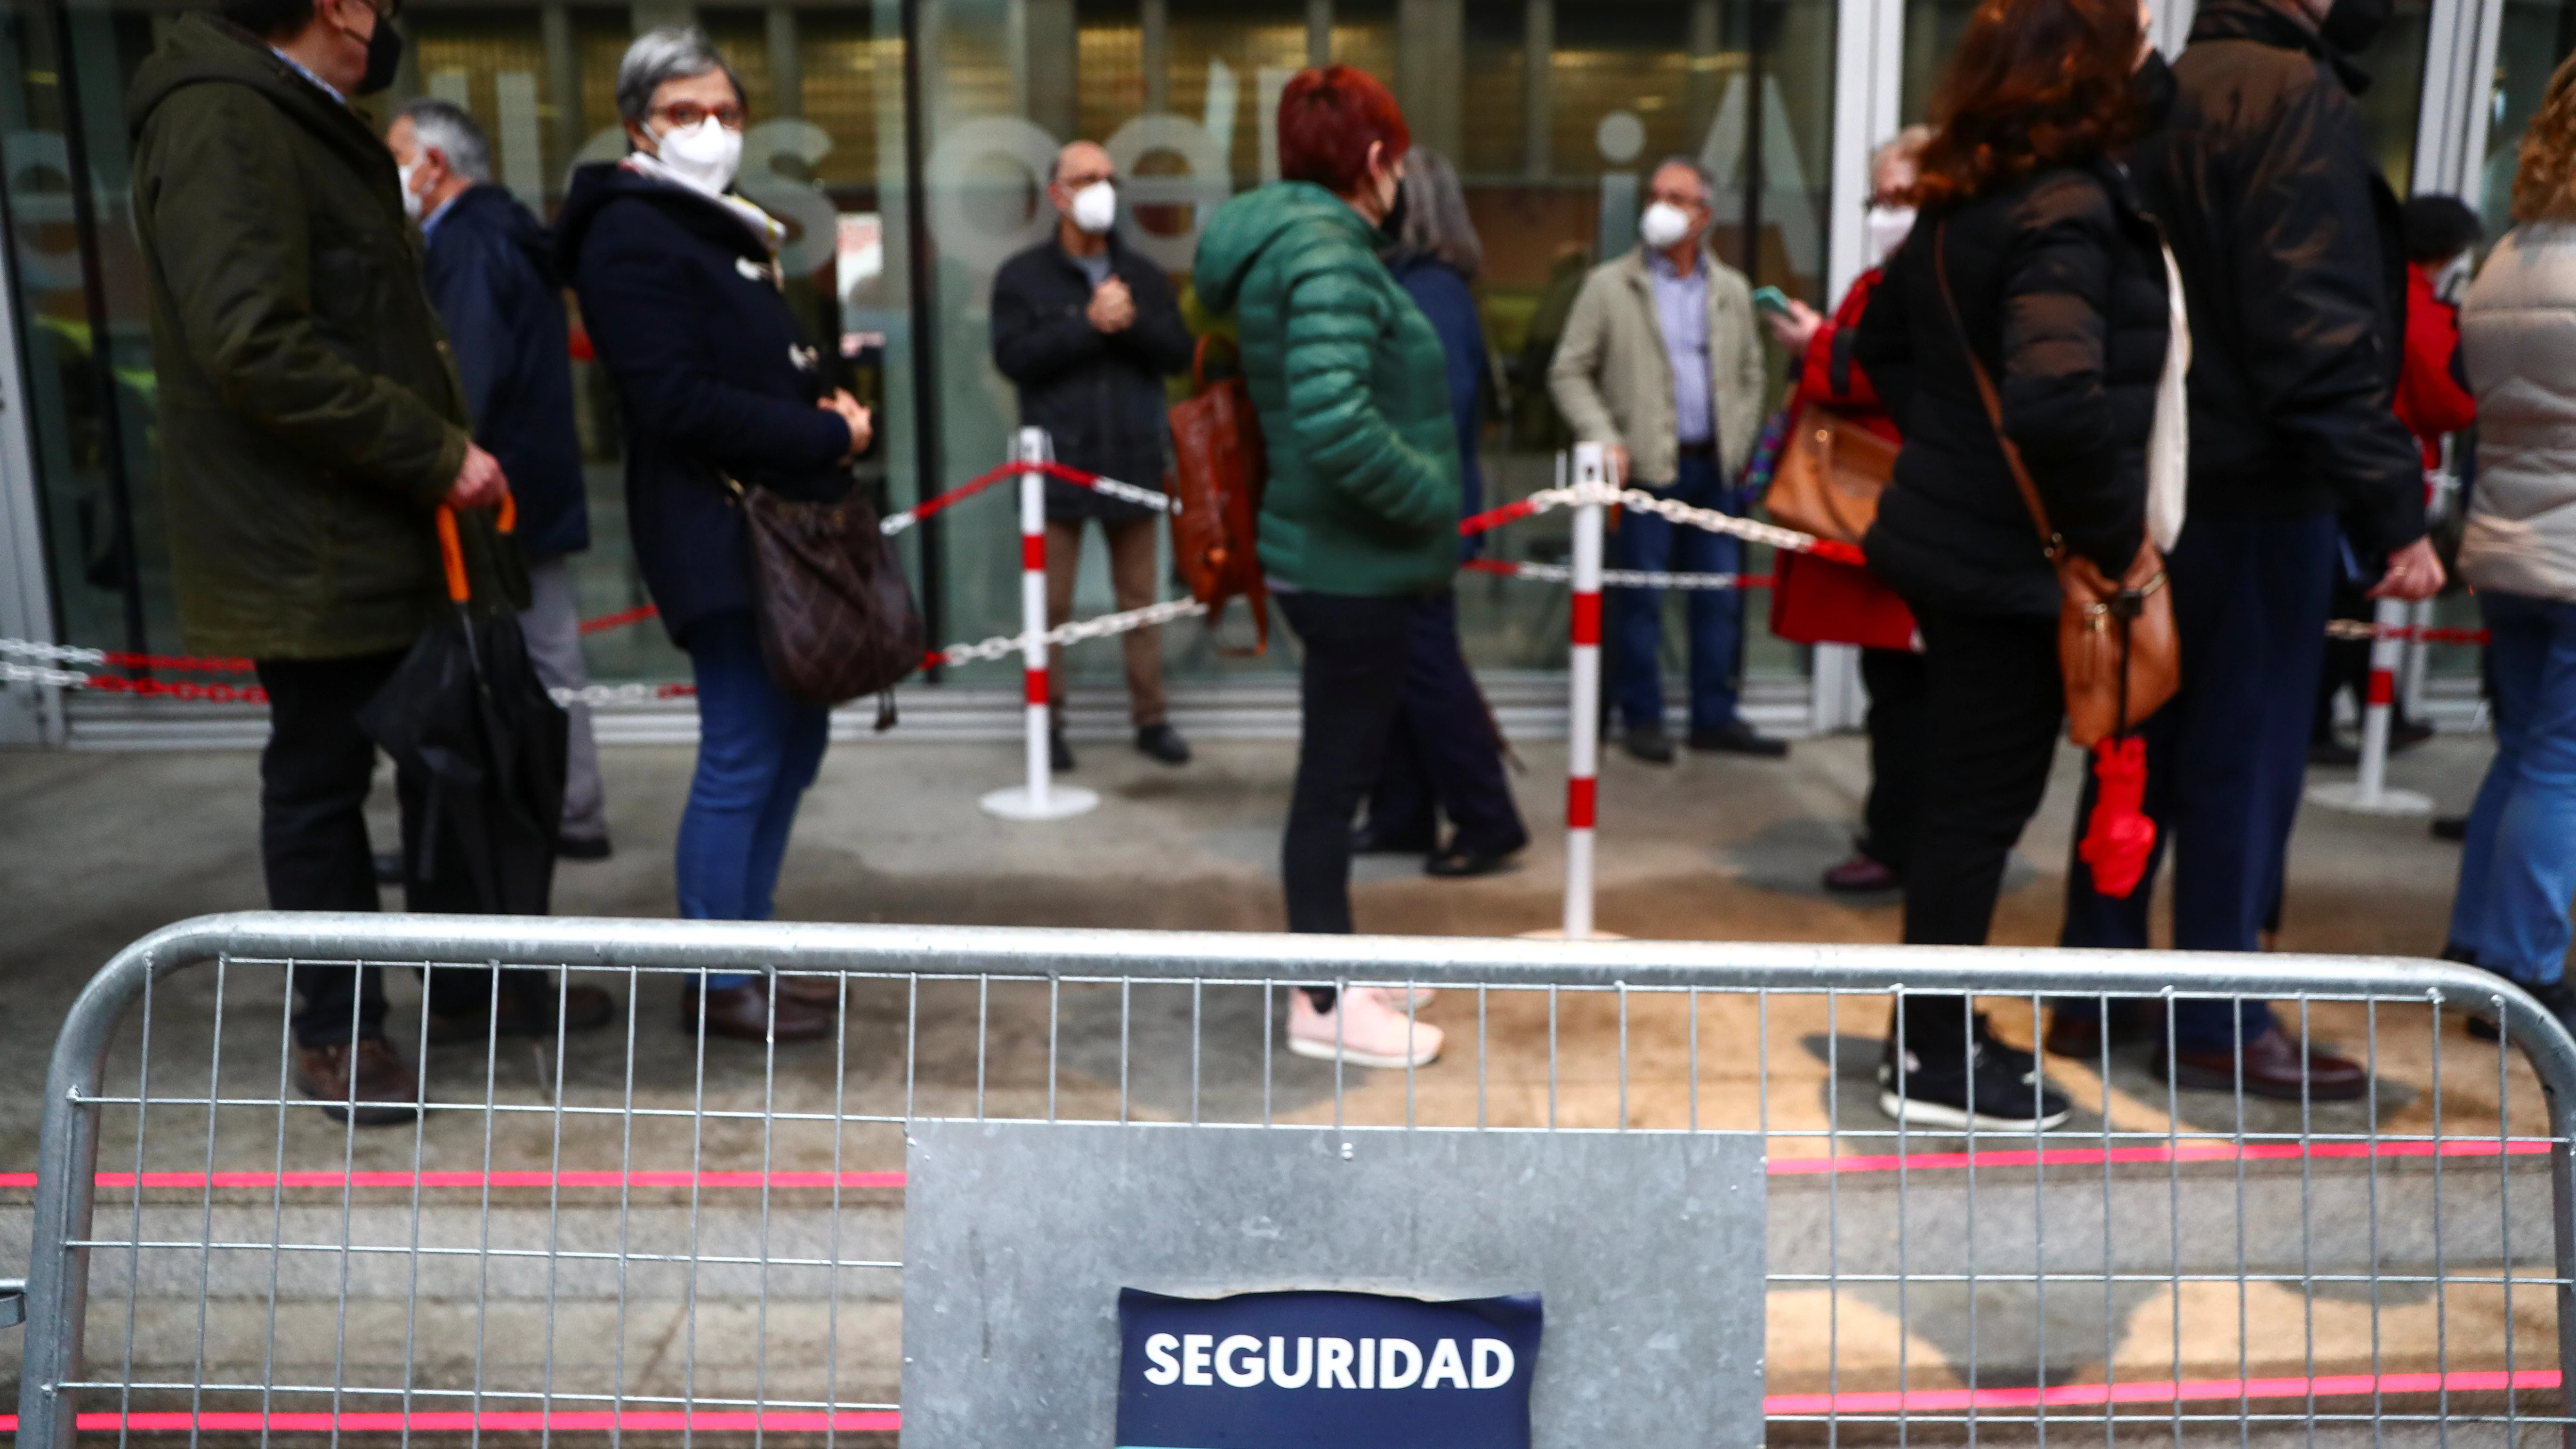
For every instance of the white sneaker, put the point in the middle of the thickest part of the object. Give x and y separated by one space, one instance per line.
1362 1029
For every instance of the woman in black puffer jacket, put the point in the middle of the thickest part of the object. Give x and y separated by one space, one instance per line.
2059 284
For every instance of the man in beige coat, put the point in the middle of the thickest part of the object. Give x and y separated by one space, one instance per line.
1662 362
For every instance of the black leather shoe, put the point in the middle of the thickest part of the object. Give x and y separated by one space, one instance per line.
1059 752
1457 864
2453 828
591 847
2406 734
1164 743
527 1008
1370 840
2333 752
1649 743
1735 737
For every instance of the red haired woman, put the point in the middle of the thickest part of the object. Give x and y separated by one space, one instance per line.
2033 262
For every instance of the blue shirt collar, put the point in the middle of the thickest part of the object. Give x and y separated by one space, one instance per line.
328 89
430 222
1661 265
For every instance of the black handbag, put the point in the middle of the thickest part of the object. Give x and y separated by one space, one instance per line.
837 617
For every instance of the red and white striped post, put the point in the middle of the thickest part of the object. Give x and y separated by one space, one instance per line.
1583 671
1041 798
2368 792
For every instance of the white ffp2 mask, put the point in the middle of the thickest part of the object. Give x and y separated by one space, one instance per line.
1662 225
412 201
705 155
1888 227
1095 207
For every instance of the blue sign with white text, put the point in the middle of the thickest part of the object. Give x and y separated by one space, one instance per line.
1304 1369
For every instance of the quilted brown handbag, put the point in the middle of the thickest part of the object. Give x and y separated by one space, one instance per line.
1829 476
2115 640
837 618
1218 468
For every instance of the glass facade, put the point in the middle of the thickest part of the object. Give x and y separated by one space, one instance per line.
1553 112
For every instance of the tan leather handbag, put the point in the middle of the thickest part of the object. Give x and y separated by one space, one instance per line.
2115 640
1829 477
1218 469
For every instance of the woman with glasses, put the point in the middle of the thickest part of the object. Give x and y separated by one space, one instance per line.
685 304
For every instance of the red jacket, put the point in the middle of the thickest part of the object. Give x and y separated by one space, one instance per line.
1829 375
2430 398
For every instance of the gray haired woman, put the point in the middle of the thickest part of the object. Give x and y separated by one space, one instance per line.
718 385
1444 751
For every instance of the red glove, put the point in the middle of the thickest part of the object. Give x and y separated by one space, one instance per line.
2119 837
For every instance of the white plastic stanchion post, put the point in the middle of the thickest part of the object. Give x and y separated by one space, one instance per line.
1041 798
2368 793
1583 722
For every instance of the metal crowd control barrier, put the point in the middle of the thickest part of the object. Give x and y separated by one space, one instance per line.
644 1230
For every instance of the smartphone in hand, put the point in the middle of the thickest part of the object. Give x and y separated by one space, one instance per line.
1771 300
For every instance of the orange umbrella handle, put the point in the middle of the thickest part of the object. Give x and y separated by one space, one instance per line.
453 554
509 521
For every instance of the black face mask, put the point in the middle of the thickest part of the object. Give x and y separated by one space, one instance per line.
1390 227
384 57
2151 90
2353 26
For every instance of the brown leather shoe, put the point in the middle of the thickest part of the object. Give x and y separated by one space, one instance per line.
822 991
745 1013
2076 1032
2276 1065
366 1083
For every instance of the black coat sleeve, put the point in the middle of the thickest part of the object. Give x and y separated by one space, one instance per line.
2056 297
467 287
1883 344
1036 336
2313 318
1158 341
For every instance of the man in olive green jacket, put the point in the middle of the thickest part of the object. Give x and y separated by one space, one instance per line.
311 422
1662 363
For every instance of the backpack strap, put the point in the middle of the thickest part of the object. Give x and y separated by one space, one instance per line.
2050 544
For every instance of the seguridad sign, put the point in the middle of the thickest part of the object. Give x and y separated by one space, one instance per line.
1290 1370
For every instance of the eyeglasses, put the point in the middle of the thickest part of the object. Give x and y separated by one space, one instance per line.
685 114
386 9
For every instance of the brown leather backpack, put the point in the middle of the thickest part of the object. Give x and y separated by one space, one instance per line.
1218 469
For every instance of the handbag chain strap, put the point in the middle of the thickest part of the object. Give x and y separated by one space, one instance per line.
2050 543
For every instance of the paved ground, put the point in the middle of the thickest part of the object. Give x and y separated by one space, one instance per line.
102 847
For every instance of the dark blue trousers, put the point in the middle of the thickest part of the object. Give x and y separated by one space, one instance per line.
2226 759
1443 751
1636 616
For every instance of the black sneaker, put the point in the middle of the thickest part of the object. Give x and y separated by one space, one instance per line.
2003 1054
1986 1091
2555 997
1650 744
1164 743
1059 754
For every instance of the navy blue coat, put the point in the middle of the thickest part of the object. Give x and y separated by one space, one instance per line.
491 274
1442 294
714 376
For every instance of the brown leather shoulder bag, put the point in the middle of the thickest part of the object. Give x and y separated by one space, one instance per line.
837 618
2115 641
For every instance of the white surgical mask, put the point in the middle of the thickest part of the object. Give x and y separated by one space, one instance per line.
705 155
1095 207
1662 225
412 200
1888 226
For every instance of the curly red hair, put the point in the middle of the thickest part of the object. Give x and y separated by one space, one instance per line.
2033 84
1328 115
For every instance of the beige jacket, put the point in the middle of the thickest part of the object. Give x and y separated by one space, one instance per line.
1614 383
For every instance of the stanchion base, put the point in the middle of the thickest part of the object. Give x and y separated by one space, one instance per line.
1062 801
1557 933
2346 795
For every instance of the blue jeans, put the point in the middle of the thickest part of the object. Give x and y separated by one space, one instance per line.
2227 758
2518 865
757 751
1636 622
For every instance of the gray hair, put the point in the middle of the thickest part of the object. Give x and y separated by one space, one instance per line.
1436 223
448 127
673 52
1707 182
1908 143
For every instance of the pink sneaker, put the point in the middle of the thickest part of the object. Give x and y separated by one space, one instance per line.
1404 998
1362 1029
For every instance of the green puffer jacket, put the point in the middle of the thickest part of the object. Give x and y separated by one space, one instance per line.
1352 390
311 417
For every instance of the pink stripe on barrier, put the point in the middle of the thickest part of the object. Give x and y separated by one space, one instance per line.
1918 1401
2180 1152
480 1179
2188 1391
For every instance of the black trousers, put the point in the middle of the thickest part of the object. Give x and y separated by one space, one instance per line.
1444 751
313 782
1900 717
1993 708
1350 689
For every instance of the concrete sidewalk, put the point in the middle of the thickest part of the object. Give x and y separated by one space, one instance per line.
104 847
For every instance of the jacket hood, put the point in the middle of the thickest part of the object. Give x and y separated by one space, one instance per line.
492 209
2266 24
204 47
596 185
1244 228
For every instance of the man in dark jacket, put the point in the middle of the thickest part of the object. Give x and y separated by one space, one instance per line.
491 274
2285 235
1089 331
311 423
